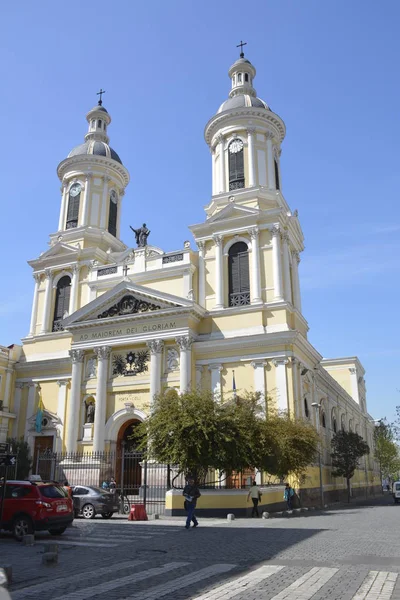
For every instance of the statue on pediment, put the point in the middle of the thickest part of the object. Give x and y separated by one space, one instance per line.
141 235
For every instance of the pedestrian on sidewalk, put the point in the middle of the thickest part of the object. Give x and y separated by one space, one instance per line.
113 485
255 495
191 493
288 496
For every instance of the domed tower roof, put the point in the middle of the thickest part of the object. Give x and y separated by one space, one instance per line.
242 94
96 140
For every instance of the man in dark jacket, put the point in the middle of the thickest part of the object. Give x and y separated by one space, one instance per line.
191 493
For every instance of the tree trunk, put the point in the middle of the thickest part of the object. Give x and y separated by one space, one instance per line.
348 489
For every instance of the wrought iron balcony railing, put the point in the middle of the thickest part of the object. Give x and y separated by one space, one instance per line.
239 299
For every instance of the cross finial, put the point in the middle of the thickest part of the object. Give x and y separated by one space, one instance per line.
241 48
100 93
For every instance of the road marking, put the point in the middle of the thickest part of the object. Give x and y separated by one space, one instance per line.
306 586
176 584
107 586
240 585
101 544
33 590
378 584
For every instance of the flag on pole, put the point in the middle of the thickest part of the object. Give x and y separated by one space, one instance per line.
233 384
39 416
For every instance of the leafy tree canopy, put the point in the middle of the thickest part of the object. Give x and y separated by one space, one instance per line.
347 449
386 450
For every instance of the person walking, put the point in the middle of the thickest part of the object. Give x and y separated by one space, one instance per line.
191 493
288 496
113 485
255 495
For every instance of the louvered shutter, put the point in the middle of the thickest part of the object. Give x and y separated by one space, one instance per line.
236 170
112 218
238 265
73 211
63 294
244 272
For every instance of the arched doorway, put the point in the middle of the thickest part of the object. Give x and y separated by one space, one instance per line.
129 470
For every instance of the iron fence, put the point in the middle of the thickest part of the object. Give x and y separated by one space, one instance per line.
138 481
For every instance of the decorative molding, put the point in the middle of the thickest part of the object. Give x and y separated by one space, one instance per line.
217 239
106 271
254 232
280 361
156 346
88 176
184 342
269 135
63 382
171 258
128 305
285 237
20 385
36 277
77 355
216 367
172 360
102 352
201 246
106 178
275 231
47 273
76 268
134 363
256 364
353 370
251 131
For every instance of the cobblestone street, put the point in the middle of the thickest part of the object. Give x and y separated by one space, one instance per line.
341 554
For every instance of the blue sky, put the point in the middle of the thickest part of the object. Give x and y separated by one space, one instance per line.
329 69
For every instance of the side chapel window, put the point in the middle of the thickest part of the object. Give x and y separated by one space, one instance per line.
113 213
73 206
61 308
236 164
277 182
239 279
306 411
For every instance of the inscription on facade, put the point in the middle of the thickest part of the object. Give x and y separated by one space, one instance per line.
122 331
172 258
106 271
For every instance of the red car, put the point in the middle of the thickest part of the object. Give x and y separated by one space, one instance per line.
36 506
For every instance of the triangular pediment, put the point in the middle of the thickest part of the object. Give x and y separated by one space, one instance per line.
233 211
60 249
125 300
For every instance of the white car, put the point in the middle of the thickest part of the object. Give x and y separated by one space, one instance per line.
396 491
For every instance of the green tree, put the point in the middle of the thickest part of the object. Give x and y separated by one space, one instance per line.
347 449
24 460
287 446
386 451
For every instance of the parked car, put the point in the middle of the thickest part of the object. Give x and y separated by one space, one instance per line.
31 506
396 491
90 500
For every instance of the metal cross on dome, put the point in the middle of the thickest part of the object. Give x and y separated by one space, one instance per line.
241 48
100 93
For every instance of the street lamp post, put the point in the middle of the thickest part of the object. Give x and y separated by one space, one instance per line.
317 407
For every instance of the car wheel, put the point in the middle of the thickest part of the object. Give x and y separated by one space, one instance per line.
107 515
88 511
59 531
22 526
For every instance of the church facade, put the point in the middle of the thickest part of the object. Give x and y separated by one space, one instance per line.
112 325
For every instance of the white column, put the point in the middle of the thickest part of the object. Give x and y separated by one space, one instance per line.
281 384
216 387
74 400
47 302
121 194
73 306
255 267
61 404
17 406
286 267
259 381
302 411
222 174
296 282
354 384
63 210
199 375
202 275
270 161
277 263
86 199
295 377
31 406
32 328
7 389
104 203
185 347
103 354
219 272
250 149
156 348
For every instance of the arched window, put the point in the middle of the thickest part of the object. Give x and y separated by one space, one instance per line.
239 280
334 426
112 216
323 420
277 182
306 411
61 308
73 206
236 164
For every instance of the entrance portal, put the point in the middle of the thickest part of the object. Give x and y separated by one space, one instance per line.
129 471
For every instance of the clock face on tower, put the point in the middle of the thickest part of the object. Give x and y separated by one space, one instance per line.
235 146
75 189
